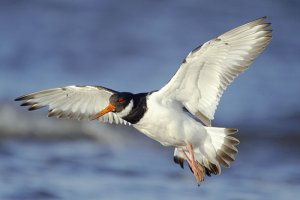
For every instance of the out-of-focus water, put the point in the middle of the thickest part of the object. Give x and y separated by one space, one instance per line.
85 169
137 46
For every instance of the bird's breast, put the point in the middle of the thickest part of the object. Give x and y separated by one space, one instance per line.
163 123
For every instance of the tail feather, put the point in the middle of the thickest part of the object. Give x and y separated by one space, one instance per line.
220 149
224 144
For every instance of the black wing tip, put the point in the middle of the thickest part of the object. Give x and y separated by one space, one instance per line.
266 24
26 104
261 18
264 17
24 97
21 98
212 169
195 49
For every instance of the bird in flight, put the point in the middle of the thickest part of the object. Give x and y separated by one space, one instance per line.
180 113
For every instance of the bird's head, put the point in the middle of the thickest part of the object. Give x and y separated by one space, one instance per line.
120 103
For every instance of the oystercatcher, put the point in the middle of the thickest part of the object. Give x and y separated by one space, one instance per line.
180 113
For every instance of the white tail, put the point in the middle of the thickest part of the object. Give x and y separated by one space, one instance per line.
220 150
224 144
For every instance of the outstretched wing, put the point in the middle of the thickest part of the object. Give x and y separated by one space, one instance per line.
209 69
74 102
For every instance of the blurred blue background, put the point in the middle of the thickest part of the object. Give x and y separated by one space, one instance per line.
136 46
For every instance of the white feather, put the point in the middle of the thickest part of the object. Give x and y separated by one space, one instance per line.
202 78
127 109
76 102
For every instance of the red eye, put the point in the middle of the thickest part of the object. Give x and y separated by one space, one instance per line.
121 100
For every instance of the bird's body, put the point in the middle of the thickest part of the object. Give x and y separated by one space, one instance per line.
168 123
180 113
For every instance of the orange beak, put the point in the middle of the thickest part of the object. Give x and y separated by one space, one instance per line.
107 109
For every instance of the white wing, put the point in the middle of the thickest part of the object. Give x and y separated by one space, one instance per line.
74 102
209 69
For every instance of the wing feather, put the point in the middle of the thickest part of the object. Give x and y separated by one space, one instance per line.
73 102
207 70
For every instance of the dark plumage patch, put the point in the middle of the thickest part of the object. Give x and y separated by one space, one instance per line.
213 169
179 161
139 108
26 104
25 97
207 172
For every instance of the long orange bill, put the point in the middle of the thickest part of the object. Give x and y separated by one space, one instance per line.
108 109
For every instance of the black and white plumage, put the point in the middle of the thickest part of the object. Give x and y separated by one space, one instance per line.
169 114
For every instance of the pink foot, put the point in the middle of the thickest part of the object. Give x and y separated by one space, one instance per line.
197 169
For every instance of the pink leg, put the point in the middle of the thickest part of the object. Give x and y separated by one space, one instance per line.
197 169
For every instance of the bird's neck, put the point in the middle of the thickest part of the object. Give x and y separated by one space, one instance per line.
138 107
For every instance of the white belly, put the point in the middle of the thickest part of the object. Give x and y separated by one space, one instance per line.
170 125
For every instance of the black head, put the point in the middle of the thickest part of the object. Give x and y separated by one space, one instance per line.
120 100
117 103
